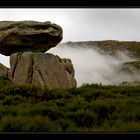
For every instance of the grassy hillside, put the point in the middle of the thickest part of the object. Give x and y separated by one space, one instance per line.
130 49
110 46
133 64
87 108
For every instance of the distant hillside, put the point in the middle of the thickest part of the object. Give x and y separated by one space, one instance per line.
132 49
110 46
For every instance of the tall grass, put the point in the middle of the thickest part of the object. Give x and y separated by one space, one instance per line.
86 108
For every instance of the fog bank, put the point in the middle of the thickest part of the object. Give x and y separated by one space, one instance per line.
92 66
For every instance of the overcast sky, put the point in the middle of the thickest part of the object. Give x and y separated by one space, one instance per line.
83 24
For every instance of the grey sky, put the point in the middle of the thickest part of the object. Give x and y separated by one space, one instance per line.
82 24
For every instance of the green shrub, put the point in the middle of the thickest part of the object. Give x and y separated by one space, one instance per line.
13 100
83 118
66 124
28 124
86 108
75 103
56 94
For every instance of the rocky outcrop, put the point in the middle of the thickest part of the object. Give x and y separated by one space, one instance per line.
25 42
5 72
20 36
131 67
42 69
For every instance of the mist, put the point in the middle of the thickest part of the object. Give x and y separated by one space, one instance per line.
93 66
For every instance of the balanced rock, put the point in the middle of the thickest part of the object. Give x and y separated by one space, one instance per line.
42 69
20 36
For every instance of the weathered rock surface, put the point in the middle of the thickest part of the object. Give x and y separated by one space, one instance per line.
19 36
42 69
5 72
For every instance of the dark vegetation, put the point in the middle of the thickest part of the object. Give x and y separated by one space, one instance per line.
135 64
87 108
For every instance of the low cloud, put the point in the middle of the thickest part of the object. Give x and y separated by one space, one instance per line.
94 66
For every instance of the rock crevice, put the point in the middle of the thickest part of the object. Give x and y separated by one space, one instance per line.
15 63
42 69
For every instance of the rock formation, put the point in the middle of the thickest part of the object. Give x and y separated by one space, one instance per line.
131 67
19 36
42 69
25 42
